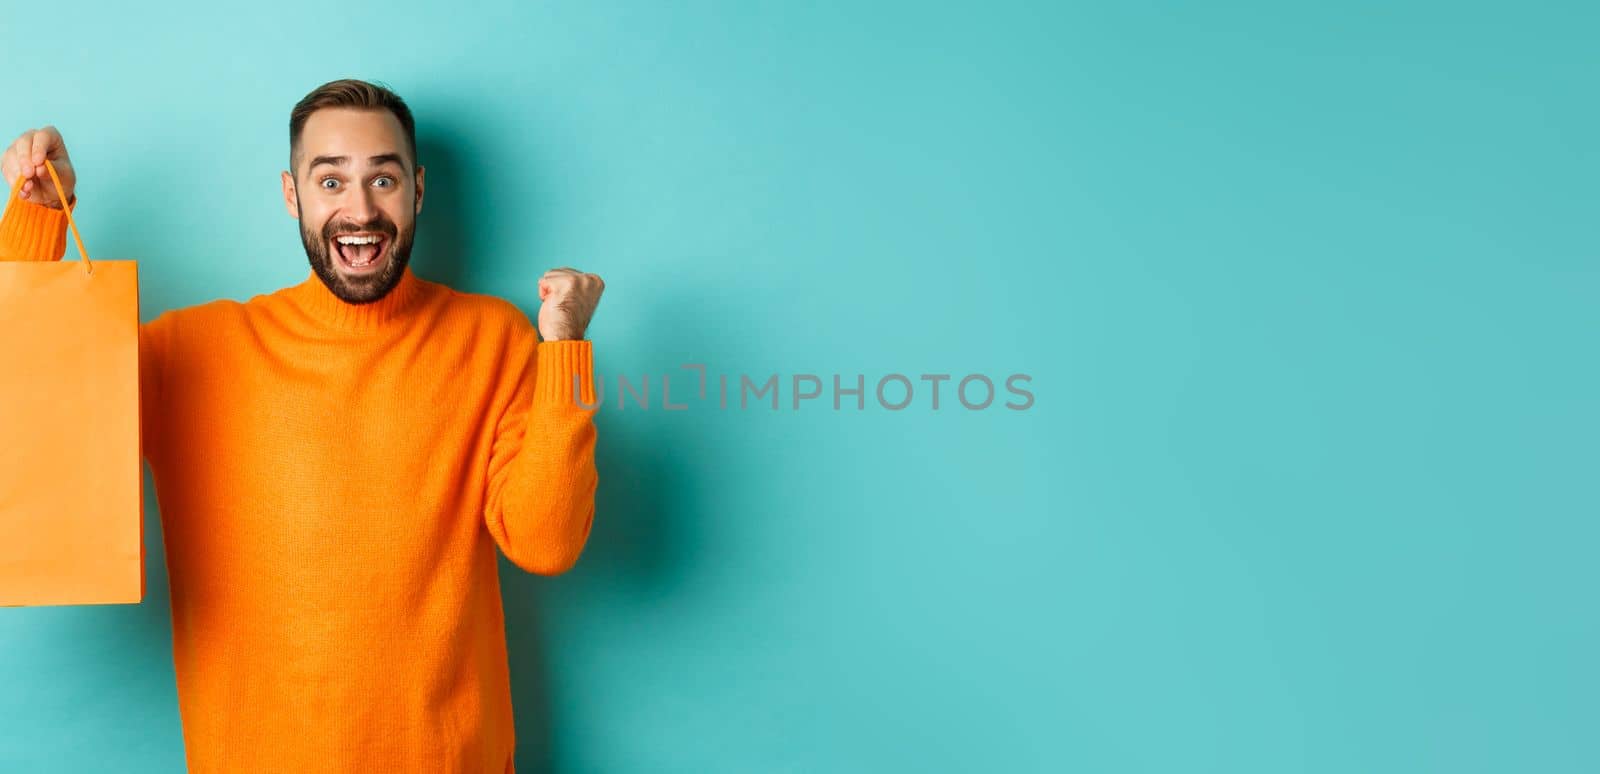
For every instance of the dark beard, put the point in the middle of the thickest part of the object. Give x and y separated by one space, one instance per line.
364 290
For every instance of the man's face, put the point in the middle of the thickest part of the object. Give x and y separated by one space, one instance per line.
357 198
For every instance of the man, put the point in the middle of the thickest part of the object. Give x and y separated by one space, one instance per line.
337 460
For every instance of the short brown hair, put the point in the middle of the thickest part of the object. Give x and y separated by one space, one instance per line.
350 93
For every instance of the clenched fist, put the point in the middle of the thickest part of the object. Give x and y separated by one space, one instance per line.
569 297
26 157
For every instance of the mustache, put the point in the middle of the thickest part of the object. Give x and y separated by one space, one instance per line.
378 225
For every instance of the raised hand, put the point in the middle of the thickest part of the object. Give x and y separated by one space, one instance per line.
26 157
569 297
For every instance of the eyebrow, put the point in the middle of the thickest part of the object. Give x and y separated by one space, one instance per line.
339 161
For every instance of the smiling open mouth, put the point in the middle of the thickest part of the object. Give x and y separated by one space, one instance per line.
359 251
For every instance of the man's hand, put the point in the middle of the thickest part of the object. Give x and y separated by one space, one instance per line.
569 297
26 157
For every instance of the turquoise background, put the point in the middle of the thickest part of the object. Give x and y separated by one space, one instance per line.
1306 292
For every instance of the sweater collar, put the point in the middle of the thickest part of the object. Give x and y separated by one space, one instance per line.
321 304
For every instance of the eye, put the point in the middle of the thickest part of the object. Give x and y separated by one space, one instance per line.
386 181
329 183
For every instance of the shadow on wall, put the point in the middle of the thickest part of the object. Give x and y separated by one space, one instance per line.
445 235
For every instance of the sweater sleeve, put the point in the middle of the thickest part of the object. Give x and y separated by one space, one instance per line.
33 232
542 475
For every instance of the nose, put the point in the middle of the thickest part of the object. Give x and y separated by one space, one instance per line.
361 206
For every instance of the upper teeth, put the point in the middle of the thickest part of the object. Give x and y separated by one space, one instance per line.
357 240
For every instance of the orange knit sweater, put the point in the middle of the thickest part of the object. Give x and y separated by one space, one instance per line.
333 481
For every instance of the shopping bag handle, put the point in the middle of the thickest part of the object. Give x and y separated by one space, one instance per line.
16 187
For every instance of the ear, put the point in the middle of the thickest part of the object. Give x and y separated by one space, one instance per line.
291 198
420 170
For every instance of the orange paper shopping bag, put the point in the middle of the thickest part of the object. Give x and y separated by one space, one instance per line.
71 529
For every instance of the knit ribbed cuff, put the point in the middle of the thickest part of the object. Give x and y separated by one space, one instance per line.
558 364
33 232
